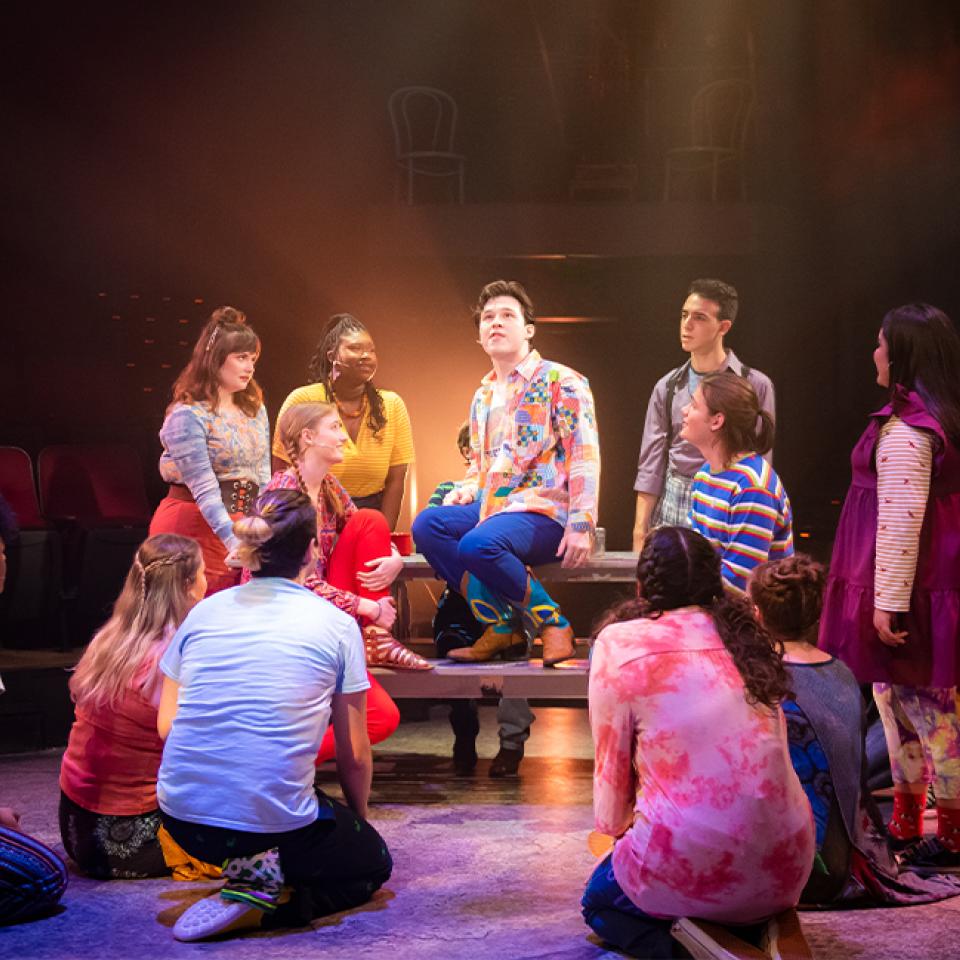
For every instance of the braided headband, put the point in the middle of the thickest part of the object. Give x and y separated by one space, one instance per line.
149 568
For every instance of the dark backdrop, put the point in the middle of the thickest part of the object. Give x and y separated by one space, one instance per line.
163 160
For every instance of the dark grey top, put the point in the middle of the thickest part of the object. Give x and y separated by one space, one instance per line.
829 696
685 459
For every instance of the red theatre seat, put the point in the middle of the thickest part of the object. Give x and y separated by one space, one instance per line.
18 488
94 485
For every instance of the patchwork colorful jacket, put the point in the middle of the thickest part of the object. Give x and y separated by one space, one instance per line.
549 461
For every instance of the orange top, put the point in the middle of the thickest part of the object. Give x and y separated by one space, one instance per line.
112 757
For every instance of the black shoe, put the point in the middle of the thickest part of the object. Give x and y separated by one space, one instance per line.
464 755
898 846
930 856
506 763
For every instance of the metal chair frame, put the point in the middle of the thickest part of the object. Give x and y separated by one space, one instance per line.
414 110
720 117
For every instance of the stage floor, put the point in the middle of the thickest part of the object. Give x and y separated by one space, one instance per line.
483 869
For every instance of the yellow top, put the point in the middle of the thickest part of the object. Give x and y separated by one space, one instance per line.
366 462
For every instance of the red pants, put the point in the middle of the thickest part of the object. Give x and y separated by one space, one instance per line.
366 536
184 518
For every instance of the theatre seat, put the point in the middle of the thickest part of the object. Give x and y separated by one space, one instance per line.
93 484
96 496
18 488
29 606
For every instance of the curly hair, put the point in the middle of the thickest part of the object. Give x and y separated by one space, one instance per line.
320 368
680 568
789 595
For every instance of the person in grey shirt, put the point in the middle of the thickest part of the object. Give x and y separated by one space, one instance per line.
667 463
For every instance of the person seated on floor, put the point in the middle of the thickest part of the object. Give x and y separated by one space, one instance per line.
692 773
109 819
825 726
32 876
242 731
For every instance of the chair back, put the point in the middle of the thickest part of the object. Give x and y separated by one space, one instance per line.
424 119
93 484
720 114
19 489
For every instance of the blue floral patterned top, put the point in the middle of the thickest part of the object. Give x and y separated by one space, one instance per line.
201 448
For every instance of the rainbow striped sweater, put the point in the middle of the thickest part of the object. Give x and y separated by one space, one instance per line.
746 513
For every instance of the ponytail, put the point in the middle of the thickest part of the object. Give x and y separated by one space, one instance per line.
747 427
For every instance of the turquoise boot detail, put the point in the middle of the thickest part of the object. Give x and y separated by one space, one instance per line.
499 639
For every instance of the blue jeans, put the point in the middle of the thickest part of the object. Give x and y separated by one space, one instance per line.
497 551
613 917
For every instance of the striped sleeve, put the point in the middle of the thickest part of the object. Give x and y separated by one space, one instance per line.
740 520
904 463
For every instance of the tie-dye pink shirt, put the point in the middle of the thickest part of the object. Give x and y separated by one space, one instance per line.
721 828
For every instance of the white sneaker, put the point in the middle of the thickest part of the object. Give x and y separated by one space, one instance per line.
214 915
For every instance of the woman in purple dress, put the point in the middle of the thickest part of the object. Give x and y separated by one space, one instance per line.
892 603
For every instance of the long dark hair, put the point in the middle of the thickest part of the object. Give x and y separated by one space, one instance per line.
226 332
274 540
924 351
319 370
746 425
680 568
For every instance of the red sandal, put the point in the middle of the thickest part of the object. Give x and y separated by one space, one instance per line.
383 650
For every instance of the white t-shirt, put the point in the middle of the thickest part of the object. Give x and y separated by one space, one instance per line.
257 666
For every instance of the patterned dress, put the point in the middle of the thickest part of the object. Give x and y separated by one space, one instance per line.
715 823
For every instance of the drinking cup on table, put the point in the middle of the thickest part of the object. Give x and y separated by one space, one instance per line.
403 542
599 542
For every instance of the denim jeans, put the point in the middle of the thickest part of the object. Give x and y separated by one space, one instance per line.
497 551
613 916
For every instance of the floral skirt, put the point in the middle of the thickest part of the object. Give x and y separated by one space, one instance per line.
112 847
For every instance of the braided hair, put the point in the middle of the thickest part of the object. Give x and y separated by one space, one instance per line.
320 368
155 598
296 419
680 568
789 595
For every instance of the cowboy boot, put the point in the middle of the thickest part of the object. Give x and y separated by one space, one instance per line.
541 615
499 639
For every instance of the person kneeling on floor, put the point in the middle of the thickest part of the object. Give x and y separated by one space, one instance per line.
692 771
242 731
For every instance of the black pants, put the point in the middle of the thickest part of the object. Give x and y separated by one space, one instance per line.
335 863
109 847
